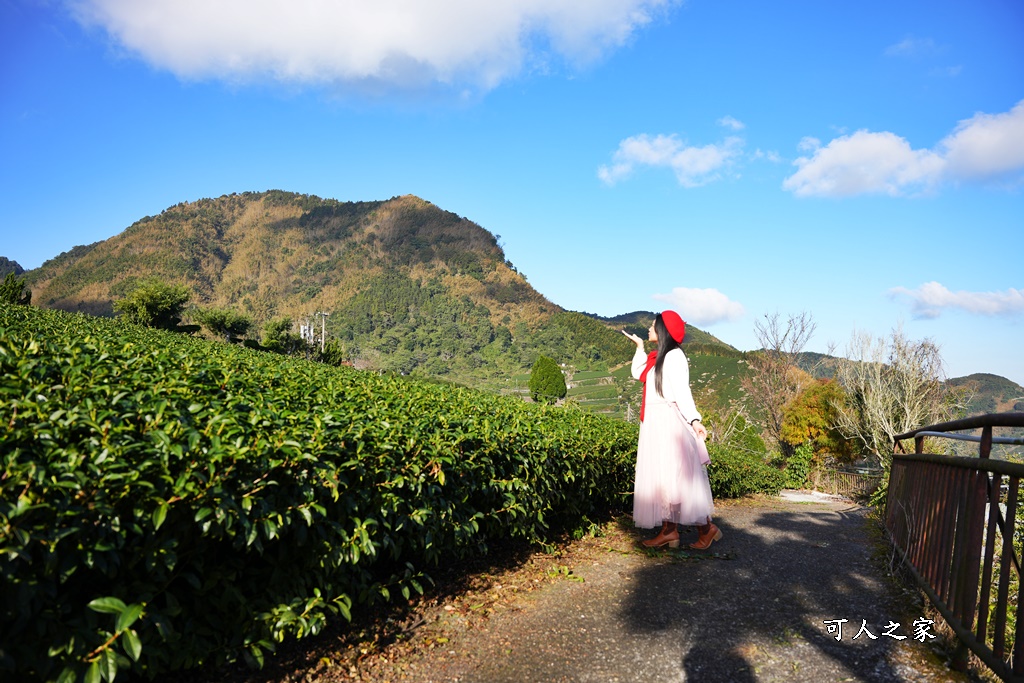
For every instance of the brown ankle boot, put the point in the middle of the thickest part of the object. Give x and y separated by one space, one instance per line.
709 533
668 535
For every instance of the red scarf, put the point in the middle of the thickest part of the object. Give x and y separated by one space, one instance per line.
652 358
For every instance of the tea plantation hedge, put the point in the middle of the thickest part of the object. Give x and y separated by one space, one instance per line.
166 501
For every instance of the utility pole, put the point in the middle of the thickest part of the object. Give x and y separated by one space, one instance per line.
323 329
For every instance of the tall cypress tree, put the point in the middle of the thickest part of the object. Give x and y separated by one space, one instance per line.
547 384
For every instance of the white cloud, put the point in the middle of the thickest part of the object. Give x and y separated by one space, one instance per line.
809 144
771 155
931 298
948 71
394 44
730 122
702 306
912 47
864 163
984 147
693 166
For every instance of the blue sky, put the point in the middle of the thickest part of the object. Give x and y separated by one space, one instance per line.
862 162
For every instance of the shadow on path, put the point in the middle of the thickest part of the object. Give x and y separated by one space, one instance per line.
758 613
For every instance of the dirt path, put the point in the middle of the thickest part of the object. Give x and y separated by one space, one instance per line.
605 611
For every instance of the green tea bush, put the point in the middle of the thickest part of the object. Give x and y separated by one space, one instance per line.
735 473
167 501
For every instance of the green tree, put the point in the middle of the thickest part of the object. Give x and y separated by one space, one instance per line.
14 291
811 418
334 353
547 384
223 322
154 303
279 338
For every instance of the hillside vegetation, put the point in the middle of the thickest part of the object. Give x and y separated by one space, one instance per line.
990 393
409 288
278 253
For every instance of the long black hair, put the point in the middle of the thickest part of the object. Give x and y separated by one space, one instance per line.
665 344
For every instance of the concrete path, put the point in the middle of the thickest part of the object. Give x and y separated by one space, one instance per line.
753 609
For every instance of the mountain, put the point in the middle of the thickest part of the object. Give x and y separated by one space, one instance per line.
9 266
990 393
696 340
986 393
408 286
819 365
276 253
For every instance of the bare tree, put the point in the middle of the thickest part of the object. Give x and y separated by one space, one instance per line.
893 385
774 378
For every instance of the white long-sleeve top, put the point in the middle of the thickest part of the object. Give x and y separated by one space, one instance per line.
675 383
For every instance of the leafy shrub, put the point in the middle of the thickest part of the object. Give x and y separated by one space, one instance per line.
154 303
797 467
223 322
166 501
735 473
14 291
279 338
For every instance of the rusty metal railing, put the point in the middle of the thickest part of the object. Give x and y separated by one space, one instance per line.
954 522
842 482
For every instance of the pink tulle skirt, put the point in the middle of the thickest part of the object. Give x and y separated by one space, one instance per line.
671 479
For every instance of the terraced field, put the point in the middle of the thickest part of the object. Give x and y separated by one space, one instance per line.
715 381
598 391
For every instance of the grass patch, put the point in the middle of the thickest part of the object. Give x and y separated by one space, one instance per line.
598 391
589 374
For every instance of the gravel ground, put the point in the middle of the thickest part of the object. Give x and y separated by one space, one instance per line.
604 610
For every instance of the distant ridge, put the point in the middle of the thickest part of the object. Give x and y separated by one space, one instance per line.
991 393
638 322
8 266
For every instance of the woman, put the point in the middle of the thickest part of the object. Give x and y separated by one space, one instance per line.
671 476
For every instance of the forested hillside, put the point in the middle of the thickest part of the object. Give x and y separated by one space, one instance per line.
408 287
990 393
282 253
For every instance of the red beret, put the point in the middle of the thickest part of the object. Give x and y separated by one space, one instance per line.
674 324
